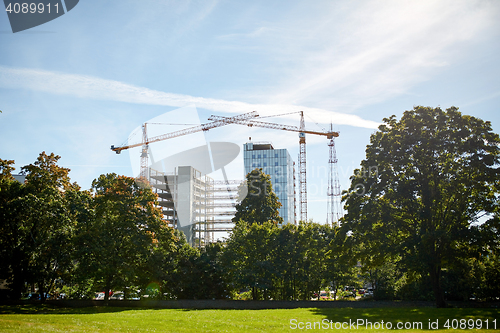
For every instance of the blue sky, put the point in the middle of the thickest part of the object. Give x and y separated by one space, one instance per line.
85 81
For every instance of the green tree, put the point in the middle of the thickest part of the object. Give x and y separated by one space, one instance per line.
311 241
6 169
286 257
195 273
487 270
424 183
283 263
80 283
46 216
184 280
341 264
260 204
37 226
120 238
248 258
12 262
158 281
213 282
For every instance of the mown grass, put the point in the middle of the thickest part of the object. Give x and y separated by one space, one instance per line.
36 318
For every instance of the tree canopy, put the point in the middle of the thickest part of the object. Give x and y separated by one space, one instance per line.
419 195
120 237
38 226
260 204
422 211
283 263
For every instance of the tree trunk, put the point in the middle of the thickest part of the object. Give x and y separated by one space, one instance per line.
435 275
41 291
106 291
17 282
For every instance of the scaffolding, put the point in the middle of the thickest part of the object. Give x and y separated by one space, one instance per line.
196 204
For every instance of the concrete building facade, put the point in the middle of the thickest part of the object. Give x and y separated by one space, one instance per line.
195 204
202 208
185 198
278 164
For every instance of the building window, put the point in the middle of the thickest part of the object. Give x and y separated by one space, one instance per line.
265 163
253 155
275 163
253 165
265 155
276 155
258 156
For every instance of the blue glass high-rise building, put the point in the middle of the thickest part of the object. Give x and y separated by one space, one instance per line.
279 165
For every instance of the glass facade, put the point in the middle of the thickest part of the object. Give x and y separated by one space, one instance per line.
279 165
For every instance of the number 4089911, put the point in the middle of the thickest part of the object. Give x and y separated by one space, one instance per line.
32 8
470 324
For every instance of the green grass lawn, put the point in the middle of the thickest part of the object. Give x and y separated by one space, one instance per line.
30 318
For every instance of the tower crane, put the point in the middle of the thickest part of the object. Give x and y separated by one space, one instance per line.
302 154
204 127
334 211
245 119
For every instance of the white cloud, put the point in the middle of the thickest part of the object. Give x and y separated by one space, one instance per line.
96 88
365 52
258 32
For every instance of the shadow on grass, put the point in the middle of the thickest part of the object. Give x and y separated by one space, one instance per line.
51 309
417 318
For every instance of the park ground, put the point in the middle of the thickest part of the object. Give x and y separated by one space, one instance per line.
44 318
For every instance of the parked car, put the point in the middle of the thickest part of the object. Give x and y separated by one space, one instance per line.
37 296
117 295
134 296
99 296
33 296
323 295
368 292
349 291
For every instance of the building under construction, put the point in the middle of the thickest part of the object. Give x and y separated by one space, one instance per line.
203 208
196 204
206 217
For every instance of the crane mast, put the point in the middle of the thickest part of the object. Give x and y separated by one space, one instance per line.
144 153
334 193
302 170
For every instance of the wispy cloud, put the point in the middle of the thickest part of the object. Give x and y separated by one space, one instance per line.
96 88
360 53
483 99
238 36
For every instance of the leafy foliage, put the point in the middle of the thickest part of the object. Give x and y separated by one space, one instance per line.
287 263
260 204
424 184
412 224
38 226
120 236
